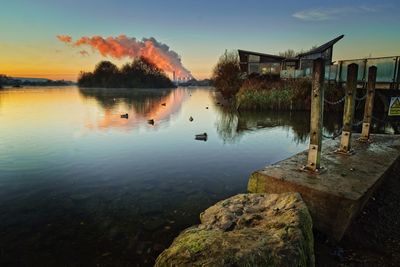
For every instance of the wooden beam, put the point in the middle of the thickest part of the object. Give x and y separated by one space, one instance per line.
349 105
317 113
369 104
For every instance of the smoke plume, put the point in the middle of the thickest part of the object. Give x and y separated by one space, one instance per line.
122 46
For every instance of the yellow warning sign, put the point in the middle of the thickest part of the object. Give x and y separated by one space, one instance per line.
394 107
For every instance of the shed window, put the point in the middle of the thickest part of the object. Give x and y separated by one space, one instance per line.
254 68
270 68
254 58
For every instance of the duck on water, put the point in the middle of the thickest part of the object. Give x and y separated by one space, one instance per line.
202 137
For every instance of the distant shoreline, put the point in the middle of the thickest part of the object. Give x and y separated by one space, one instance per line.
16 82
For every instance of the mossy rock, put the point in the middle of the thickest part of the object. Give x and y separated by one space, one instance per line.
247 230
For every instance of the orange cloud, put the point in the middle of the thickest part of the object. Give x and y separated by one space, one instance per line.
64 38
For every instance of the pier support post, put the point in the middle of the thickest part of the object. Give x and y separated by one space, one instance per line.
369 104
349 104
317 113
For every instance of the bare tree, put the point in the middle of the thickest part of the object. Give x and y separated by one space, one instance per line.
291 53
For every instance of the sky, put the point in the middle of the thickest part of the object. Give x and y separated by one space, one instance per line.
198 30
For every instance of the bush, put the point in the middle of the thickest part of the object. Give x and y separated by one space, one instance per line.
141 73
295 94
256 94
227 74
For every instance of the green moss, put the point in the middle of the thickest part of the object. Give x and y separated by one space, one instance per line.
194 240
252 185
281 240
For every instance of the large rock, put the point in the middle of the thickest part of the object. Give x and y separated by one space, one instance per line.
247 230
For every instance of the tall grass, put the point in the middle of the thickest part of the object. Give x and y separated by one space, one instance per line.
273 95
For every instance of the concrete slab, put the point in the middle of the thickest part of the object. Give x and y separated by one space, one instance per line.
335 196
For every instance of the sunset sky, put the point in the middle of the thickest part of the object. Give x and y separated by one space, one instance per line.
199 31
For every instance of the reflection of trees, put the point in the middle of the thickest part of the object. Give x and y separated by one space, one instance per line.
227 125
231 124
141 100
297 121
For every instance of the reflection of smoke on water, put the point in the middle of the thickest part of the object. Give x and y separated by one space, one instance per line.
140 104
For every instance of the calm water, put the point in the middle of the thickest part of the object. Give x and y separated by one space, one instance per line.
81 186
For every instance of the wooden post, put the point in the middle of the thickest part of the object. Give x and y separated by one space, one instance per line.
340 72
349 104
398 73
317 113
369 104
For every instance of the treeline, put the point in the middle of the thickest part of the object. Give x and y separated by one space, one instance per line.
194 82
20 82
141 73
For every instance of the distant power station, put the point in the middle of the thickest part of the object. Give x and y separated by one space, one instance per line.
179 80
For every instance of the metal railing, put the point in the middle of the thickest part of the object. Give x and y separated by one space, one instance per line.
388 71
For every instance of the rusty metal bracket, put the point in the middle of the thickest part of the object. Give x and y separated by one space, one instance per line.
344 152
365 140
310 170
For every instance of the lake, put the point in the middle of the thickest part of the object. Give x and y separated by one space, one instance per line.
81 186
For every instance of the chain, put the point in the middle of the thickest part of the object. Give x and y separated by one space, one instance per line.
362 98
339 133
358 104
358 123
334 102
334 136
342 99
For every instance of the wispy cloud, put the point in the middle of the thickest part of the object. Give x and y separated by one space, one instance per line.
331 13
64 38
83 53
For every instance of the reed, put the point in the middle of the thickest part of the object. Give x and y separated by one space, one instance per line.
274 95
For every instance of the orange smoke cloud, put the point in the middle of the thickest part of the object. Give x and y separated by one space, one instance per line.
64 38
123 46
